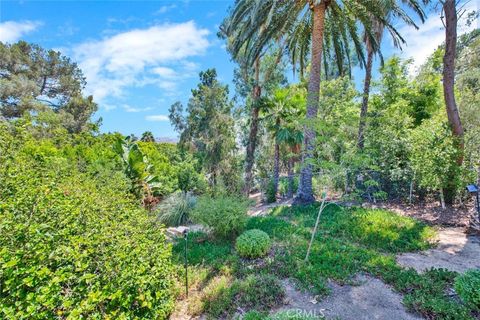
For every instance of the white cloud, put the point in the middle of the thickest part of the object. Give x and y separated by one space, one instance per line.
422 42
129 108
157 55
165 8
157 117
12 31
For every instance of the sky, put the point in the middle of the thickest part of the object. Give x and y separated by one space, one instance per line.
139 57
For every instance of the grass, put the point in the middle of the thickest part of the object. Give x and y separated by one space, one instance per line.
347 242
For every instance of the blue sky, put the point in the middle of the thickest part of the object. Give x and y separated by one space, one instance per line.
139 57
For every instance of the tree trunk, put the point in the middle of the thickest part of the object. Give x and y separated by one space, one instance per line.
252 137
366 93
449 73
305 191
291 178
276 167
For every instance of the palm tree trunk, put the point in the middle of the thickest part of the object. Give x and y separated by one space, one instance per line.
290 177
252 137
449 72
305 191
366 93
276 167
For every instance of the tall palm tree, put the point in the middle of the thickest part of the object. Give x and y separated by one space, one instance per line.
291 20
256 93
377 27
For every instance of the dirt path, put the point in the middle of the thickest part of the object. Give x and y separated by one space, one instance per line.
370 299
455 251
260 208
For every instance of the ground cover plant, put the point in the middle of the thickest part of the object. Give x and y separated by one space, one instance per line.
349 241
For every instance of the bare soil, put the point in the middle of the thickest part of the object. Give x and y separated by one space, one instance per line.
370 298
431 212
455 251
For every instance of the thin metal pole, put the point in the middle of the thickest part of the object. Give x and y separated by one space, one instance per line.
186 264
478 202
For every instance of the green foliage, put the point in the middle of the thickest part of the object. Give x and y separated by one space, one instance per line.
254 315
167 163
203 250
36 79
253 243
137 168
176 208
434 155
74 242
467 287
147 136
257 292
208 127
294 314
270 192
225 215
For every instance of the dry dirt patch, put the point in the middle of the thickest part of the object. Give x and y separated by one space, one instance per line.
455 251
370 299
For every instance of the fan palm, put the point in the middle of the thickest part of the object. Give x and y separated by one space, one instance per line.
284 109
254 24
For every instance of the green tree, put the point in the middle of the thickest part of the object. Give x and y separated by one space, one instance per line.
304 21
284 110
378 29
208 127
147 136
32 78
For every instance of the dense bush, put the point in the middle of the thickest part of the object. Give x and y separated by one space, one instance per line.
467 286
225 215
74 243
253 244
270 195
176 208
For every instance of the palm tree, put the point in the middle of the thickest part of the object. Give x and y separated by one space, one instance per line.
286 107
291 20
256 92
147 136
377 27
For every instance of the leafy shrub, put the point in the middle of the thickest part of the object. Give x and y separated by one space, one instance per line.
176 208
73 244
284 184
270 195
253 243
225 215
467 286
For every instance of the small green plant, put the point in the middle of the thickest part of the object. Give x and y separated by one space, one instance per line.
255 292
253 244
270 195
294 314
176 208
225 215
254 315
467 286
